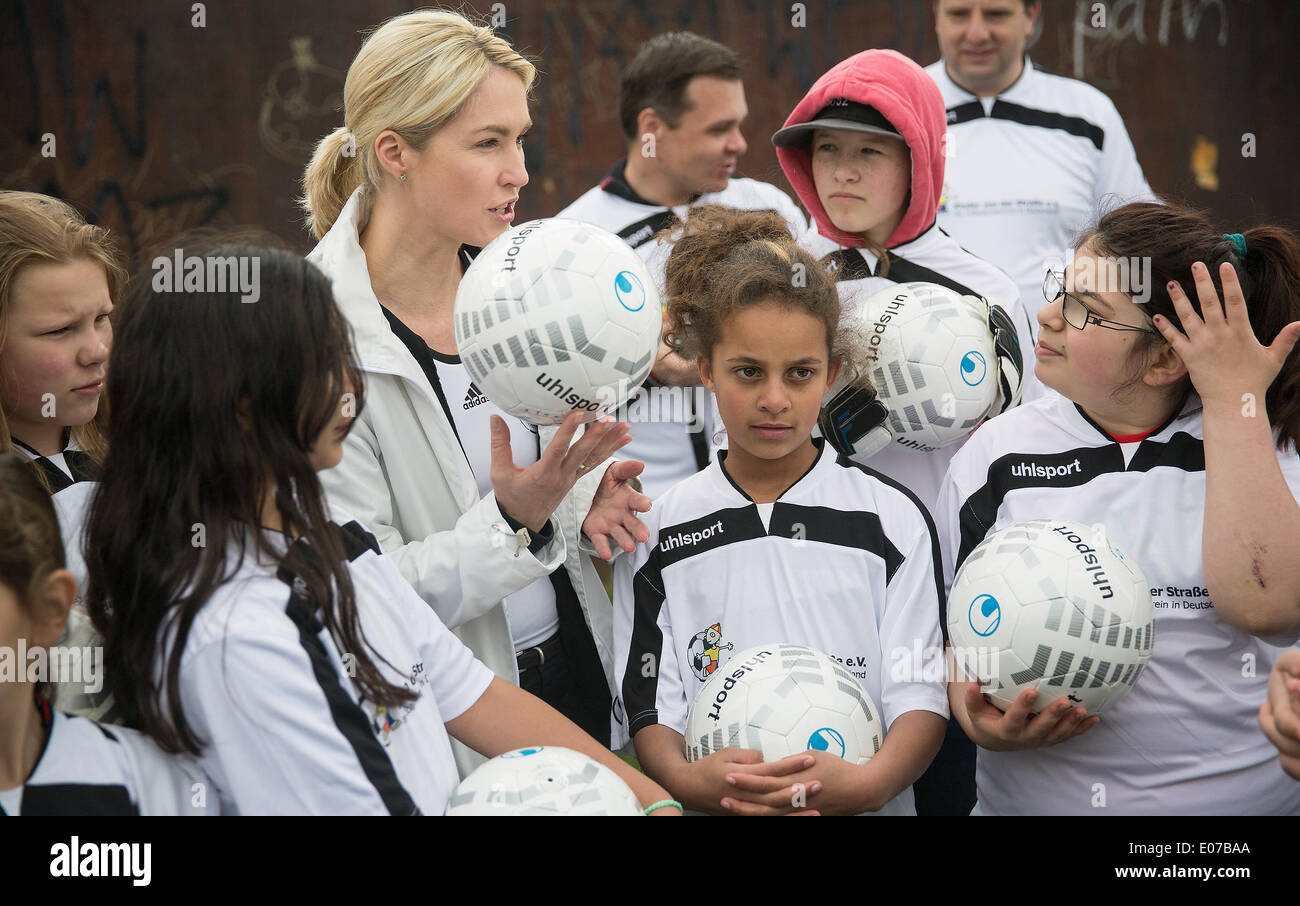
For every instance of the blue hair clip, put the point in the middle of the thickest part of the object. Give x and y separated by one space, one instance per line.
1238 242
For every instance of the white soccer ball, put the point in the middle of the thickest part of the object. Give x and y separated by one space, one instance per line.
543 780
930 355
557 315
782 700
1054 606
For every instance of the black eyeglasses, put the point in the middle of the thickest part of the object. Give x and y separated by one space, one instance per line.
1076 313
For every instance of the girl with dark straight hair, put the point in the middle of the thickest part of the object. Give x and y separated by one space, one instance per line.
246 621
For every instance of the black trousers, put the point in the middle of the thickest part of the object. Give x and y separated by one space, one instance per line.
554 682
948 786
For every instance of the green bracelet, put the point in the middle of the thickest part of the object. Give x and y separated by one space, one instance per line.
664 803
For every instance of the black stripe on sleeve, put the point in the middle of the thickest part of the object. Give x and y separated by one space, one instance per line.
348 716
861 530
645 655
1046 119
68 800
356 540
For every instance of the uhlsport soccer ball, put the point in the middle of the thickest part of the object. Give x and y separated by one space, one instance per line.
930 355
557 315
543 780
1054 606
782 700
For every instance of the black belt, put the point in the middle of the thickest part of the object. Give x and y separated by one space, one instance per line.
538 654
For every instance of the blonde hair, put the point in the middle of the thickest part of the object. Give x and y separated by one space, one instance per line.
412 75
38 229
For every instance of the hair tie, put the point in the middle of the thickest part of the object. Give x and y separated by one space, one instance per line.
1238 242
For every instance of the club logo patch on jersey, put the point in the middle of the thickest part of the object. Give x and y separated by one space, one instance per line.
384 723
704 649
630 292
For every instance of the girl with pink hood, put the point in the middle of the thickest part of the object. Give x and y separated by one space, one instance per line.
864 151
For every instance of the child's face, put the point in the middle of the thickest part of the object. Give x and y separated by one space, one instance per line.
56 344
770 369
1087 365
862 180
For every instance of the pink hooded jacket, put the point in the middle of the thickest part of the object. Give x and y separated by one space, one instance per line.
902 92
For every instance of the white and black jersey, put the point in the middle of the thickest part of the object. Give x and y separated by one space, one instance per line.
1028 170
667 445
1185 739
286 731
845 561
73 478
87 769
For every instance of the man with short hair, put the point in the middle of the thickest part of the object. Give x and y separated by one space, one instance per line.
681 104
1033 158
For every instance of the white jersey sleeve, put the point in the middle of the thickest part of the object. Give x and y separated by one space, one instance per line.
269 725
457 679
1119 175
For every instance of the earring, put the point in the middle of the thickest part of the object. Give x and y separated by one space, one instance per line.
402 177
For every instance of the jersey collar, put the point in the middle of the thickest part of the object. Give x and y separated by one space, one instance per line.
615 183
1087 429
1016 88
818 442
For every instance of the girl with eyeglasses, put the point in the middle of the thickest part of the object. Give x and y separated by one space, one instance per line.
1184 424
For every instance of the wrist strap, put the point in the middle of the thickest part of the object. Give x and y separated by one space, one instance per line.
664 803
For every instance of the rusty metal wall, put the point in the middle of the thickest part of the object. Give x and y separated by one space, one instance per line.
159 125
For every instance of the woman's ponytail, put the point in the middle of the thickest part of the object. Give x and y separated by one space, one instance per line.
330 179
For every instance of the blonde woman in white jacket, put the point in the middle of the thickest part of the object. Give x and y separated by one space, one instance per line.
426 170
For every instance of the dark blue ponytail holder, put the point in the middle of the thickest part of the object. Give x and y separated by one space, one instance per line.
1238 242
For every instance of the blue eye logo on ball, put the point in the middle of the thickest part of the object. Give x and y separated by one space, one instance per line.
522 752
973 368
630 292
985 615
827 740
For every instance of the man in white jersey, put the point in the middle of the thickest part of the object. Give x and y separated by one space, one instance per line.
681 105
1033 158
